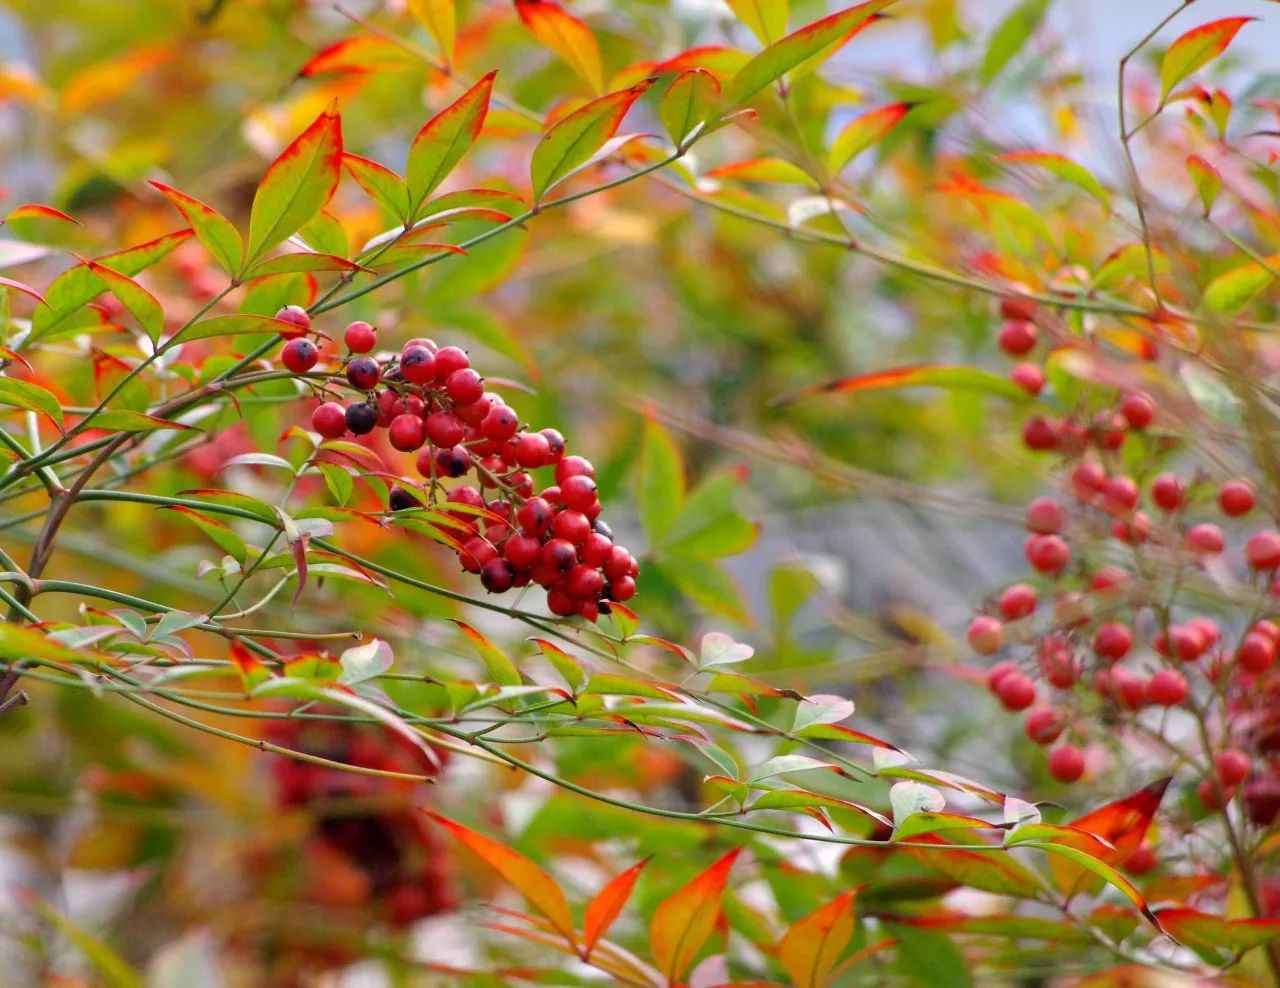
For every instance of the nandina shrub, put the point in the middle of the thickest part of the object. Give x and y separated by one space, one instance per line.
303 395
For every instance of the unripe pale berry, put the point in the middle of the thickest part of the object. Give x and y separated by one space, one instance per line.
985 634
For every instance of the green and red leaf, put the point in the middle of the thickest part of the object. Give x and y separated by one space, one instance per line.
214 230
1195 49
575 141
811 947
688 104
607 905
565 35
444 140
363 53
864 131
682 923
913 376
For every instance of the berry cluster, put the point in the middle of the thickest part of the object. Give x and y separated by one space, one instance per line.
1115 640
433 402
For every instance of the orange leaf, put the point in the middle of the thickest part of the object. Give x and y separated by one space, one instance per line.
810 949
529 879
1124 823
1196 48
565 35
608 903
682 923
31 210
363 53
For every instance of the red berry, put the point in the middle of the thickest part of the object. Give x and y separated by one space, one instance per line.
500 423
1205 539
1268 629
1028 377
1066 763
1017 337
560 603
1039 433
572 526
1109 431
1262 551
1138 409
299 356
559 554
360 337
1044 515
1207 628
330 420
1166 688
296 316
1072 610
578 492
532 450
1016 691
1211 794
534 516
1187 643
450 461
1134 530
595 549
421 341
1127 688
1140 862
1072 438
417 365
475 553
1047 553
572 466
1109 578
1231 766
1256 653
584 582
363 373
1168 491
1088 479
620 563
1235 498
1120 495
1018 307
474 413
497 575
998 671
448 360
407 432
445 429
1017 601
555 445
1057 664
1112 641
985 634
464 386
621 589
1043 725
522 550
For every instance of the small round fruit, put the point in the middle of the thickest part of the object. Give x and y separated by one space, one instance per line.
1257 653
1138 409
1017 601
1168 492
1140 862
1066 763
362 417
1040 434
407 433
330 420
401 500
296 316
464 386
619 563
299 355
578 492
1112 641
445 429
1028 377
985 634
1016 691
448 360
1044 515
555 445
997 673
497 575
1043 725
1166 688
1262 551
1236 498
475 553
532 450
1231 766
1018 307
1205 539
1109 579
1047 553
418 364
560 555
360 337
522 550
621 589
560 603
1127 688
1088 480
572 466
534 516
1120 495
500 423
1262 801
1211 794
1017 337
1186 643
572 526
363 373
584 582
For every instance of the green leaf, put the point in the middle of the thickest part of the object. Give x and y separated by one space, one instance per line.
215 231
688 104
574 141
661 479
222 535
299 262
338 480
1101 869
1065 169
710 586
127 420
440 18
32 397
791 585
909 798
443 141
1206 179
1011 37
501 668
114 971
929 958
1233 290
325 235
384 186
296 186
914 376
565 35
365 661
237 324
767 19
1195 49
785 55
142 305
863 131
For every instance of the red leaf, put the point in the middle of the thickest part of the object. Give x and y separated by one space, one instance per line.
539 888
565 35
364 53
33 210
252 672
608 903
682 923
18 286
1124 822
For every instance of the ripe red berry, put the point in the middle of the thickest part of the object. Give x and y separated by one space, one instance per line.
362 417
555 445
1262 801
560 603
534 516
417 364
450 461
1236 498
522 550
475 553
1168 491
407 433
572 466
578 492
1088 479
1057 663
474 413
1066 763
1231 766
296 316
1028 377
360 337
1044 515
1073 438
445 429
1043 725
464 386
500 423
532 450
1211 794
595 550
1120 495
560 555
1017 307
1166 688
330 420
997 673
1112 641
1126 688
1017 601
985 634
1262 551
1138 409
1017 337
572 526
1109 578
1256 653
1109 431
620 563
1134 530
448 360
1205 539
621 589
1016 691
584 582
1047 553
1140 862
497 575
363 373
1187 643
1039 433
299 356
1207 628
